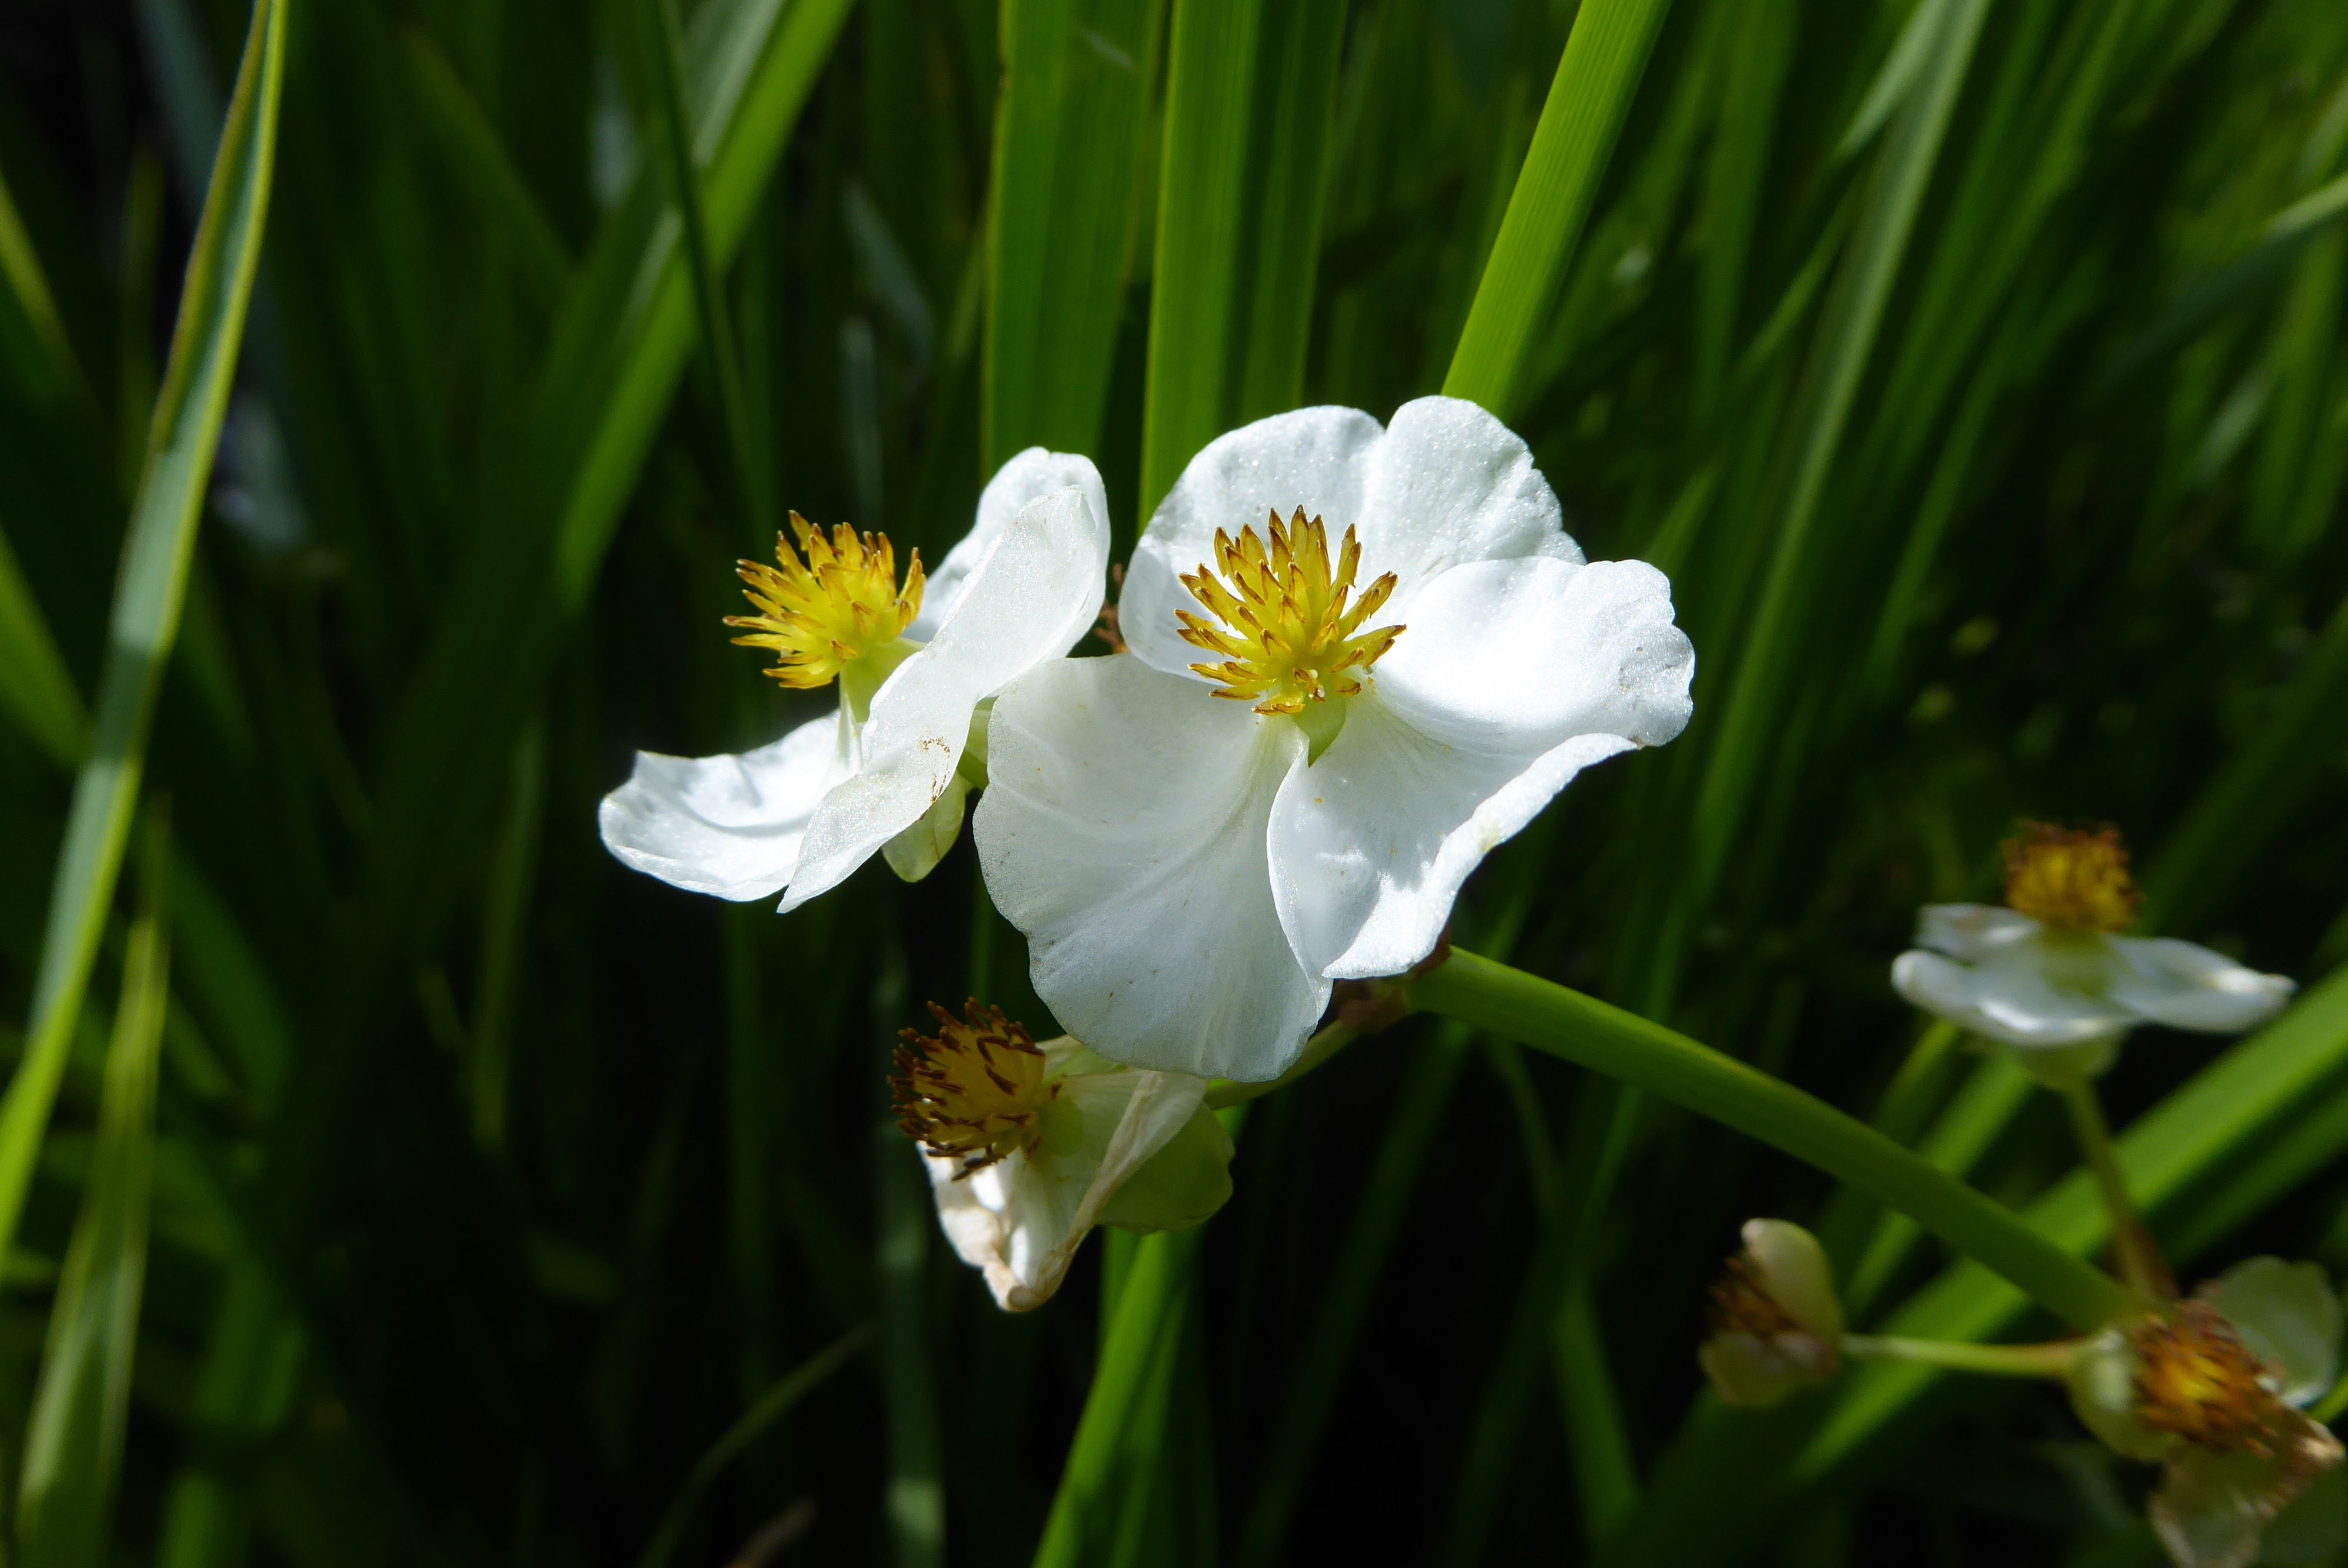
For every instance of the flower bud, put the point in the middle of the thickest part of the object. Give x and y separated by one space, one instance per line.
1777 1323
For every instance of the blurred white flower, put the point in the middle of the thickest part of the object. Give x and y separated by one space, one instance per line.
1030 1147
891 768
2212 1389
1777 1323
1416 661
2050 975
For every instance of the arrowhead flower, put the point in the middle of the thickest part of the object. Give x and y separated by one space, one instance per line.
1030 1147
2212 1389
915 664
1362 658
2049 973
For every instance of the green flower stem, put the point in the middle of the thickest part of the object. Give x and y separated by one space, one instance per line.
1997 1361
1584 1030
1224 1092
2138 1255
2328 1408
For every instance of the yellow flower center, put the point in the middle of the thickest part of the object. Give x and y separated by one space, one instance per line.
2070 880
975 1092
839 605
2195 1378
1281 623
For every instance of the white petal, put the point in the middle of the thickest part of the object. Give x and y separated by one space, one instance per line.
1512 677
1314 457
1034 594
731 826
2007 998
1449 485
1123 831
1021 1219
2190 987
1971 931
1027 475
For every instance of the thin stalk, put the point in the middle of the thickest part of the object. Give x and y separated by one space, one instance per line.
2138 1254
1997 1361
1608 1039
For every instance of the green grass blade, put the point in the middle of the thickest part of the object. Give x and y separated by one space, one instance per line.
1071 121
73 1446
55 372
915 1502
478 156
1321 1357
1296 105
2254 795
664 41
36 687
1195 303
150 590
1755 708
1605 57
1148 1318
770 1408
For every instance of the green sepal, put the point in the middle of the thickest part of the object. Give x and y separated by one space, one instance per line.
1181 1184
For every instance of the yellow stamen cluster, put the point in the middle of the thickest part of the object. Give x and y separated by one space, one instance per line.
975 1092
2070 879
839 605
2195 1378
1280 621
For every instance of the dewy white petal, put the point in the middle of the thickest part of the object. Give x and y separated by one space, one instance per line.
1972 932
1514 676
1449 485
2008 997
728 825
2184 986
1312 457
1036 592
1020 1220
1028 476
1123 830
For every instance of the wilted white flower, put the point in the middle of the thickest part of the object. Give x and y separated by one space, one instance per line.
891 768
2212 1387
1777 1323
2049 973
1326 723
1030 1147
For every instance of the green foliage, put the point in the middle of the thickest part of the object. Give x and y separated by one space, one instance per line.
1978 372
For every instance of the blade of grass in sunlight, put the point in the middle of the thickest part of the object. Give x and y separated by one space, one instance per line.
73 1447
1597 76
1202 227
148 591
1288 158
1070 126
1149 1315
1753 707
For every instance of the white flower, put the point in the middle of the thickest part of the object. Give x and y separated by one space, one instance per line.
890 770
1029 1147
1777 1323
1192 873
2052 976
2212 1389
